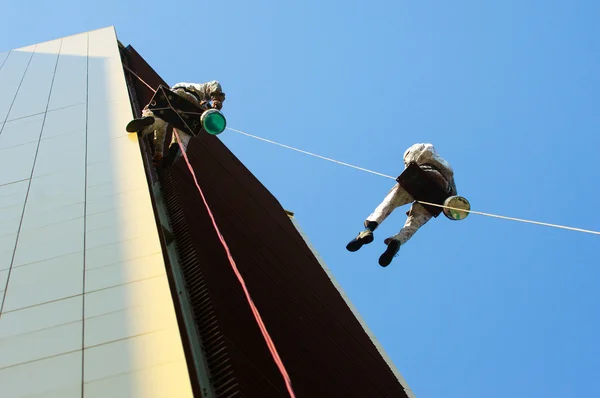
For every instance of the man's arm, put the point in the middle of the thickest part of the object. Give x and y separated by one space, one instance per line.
210 91
216 94
412 153
181 85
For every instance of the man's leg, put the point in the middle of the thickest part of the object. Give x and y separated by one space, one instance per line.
395 198
160 130
142 124
417 217
184 137
174 149
149 124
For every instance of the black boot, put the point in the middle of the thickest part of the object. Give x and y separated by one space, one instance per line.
137 124
371 225
391 251
168 160
363 238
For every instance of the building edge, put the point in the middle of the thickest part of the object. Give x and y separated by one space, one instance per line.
198 369
204 357
350 305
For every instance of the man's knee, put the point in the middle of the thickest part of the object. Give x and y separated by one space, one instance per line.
417 215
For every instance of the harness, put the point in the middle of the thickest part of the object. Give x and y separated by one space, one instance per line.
422 187
184 114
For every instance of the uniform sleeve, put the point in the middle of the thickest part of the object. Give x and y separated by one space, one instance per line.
180 85
426 154
213 87
413 153
205 90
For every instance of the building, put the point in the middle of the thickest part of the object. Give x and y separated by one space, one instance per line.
112 278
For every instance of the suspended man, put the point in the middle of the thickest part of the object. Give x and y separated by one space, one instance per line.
205 95
438 170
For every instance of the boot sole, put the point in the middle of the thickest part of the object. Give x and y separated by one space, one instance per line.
356 244
387 256
137 124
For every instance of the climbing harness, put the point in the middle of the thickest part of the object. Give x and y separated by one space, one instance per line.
424 189
185 115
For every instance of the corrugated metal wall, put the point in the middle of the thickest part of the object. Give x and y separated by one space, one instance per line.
324 347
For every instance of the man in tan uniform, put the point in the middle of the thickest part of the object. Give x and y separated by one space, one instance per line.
439 170
199 94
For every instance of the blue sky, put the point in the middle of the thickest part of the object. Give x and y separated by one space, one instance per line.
508 93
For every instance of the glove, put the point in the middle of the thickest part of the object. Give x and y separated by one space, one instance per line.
217 104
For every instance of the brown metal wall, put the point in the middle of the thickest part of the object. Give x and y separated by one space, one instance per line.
323 346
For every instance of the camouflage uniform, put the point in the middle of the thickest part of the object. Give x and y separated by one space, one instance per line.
193 92
425 156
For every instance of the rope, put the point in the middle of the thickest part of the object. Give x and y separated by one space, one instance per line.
313 154
259 321
514 219
418 201
257 316
139 78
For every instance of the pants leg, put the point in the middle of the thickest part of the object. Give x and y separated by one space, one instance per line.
148 129
159 128
184 137
417 217
159 135
395 198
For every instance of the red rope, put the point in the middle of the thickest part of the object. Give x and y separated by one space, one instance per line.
259 320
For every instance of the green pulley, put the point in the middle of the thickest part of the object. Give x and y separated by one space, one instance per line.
459 205
213 121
